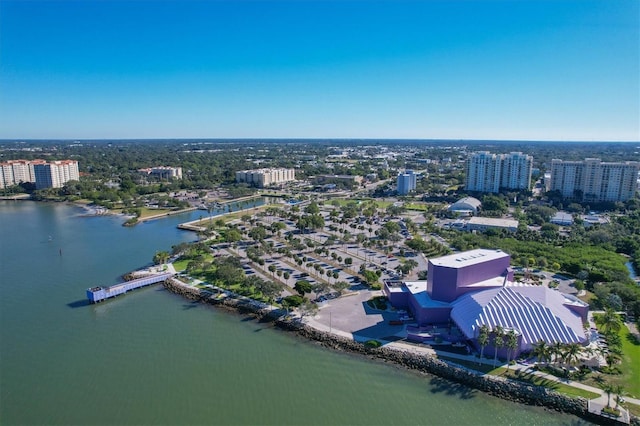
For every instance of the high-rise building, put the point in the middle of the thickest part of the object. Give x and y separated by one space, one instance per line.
407 182
55 173
488 172
14 172
592 180
515 171
265 177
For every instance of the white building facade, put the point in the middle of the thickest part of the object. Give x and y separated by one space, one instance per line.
488 172
407 182
592 180
55 174
265 177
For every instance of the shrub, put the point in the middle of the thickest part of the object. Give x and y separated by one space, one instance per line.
372 343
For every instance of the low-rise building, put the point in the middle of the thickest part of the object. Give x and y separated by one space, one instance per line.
467 206
476 288
484 223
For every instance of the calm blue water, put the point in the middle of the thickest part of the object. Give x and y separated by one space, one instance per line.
151 357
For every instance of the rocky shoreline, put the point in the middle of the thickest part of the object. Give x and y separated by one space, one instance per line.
496 386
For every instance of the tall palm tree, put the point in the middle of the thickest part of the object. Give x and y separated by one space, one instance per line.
571 353
498 342
556 351
619 391
542 351
483 339
512 344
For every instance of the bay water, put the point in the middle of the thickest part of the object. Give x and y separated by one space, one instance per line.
151 357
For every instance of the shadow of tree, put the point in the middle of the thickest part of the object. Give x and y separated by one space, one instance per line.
631 338
439 385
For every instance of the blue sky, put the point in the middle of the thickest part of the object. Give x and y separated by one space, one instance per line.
535 70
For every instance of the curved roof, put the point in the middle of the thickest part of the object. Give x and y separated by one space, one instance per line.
466 203
536 312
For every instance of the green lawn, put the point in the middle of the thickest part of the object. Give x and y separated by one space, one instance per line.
146 212
416 206
181 265
630 363
541 381
630 367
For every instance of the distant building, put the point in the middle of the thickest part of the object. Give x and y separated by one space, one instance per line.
265 177
488 172
592 180
467 206
14 172
562 219
55 174
407 182
349 179
484 223
163 172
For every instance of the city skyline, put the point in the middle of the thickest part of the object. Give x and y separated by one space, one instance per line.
485 70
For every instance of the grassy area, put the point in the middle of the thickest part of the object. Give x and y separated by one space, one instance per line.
633 408
146 212
181 265
344 201
416 206
541 381
630 367
630 362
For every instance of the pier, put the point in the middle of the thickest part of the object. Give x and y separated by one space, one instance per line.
98 294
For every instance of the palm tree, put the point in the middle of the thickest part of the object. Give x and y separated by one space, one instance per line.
571 353
608 389
542 351
610 321
483 339
556 351
512 344
498 342
619 391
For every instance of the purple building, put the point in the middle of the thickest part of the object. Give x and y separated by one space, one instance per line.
476 287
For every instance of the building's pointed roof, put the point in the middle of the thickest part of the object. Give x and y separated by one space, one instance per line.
536 312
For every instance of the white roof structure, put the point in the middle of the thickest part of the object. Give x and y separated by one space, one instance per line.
468 258
536 312
492 223
465 204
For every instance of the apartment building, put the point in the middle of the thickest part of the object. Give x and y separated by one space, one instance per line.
407 182
55 174
265 177
592 180
488 172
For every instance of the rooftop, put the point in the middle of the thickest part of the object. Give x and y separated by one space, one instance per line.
488 221
468 258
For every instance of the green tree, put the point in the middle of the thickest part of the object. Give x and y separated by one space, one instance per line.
161 257
511 344
483 339
303 287
498 342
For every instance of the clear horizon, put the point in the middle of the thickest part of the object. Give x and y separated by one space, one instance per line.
548 71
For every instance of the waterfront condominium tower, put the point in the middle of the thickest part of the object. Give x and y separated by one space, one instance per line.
592 180
55 173
488 172
407 182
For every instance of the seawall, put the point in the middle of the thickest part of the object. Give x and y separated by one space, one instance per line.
496 386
